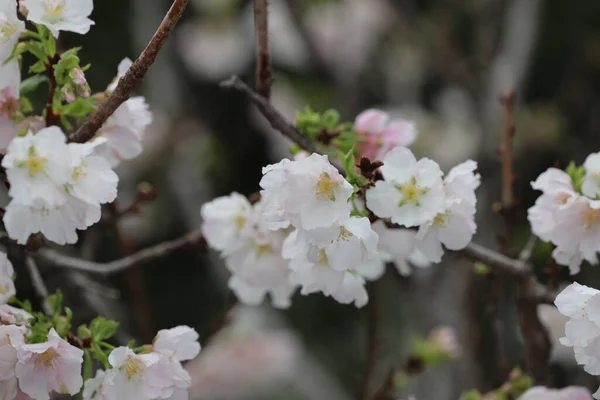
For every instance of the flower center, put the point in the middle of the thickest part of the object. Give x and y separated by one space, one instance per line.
7 29
34 164
46 358
79 172
325 187
240 221
55 8
322 257
411 193
132 368
263 250
344 235
591 218
441 220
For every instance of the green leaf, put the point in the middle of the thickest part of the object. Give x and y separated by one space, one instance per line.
99 354
83 332
56 301
87 365
38 67
471 395
81 107
26 105
37 49
330 119
32 83
64 66
102 329
577 175
481 269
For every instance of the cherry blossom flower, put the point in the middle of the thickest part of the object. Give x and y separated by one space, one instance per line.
180 343
334 260
568 393
37 167
412 192
377 135
254 295
10 315
309 193
125 128
11 336
11 28
399 245
58 224
591 183
223 220
134 376
51 366
582 332
7 286
62 15
558 191
92 179
92 388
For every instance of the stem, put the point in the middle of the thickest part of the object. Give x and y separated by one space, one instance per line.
133 77
51 118
263 58
38 284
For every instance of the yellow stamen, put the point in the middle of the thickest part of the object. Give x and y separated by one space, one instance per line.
132 367
7 29
322 258
411 193
46 359
55 7
326 187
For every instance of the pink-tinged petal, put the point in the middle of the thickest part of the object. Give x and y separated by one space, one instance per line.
371 121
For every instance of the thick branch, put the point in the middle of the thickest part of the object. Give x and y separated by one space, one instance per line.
263 57
277 121
58 259
133 77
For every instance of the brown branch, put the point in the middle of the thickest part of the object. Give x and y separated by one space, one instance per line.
51 118
57 259
372 343
133 77
277 121
508 103
263 57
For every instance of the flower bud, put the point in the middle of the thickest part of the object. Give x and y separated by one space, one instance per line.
68 94
78 77
22 8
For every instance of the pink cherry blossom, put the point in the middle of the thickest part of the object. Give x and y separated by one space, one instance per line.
377 134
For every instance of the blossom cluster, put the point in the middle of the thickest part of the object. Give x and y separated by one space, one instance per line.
582 332
567 213
311 230
34 368
57 187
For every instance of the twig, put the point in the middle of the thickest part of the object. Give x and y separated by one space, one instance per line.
495 260
38 284
372 343
263 58
133 76
51 118
57 259
527 252
508 103
277 121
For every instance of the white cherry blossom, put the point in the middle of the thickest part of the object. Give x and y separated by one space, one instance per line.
180 343
399 245
412 192
308 193
62 15
254 295
11 336
591 183
11 28
7 272
38 166
223 220
54 365
126 127
92 388
57 223
568 393
92 179
10 315
135 376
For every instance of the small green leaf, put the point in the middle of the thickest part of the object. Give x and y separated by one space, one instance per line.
83 332
102 329
32 83
81 107
481 269
56 301
38 67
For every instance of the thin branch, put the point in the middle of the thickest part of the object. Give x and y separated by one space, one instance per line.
38 283
495 260
263 57
277 121
133 77
527 252
508 103
372 343
57 259
51 118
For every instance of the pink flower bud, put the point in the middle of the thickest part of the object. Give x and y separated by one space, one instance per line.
68 94
22 8
78 77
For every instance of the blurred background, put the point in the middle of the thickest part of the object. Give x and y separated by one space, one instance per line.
441 63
